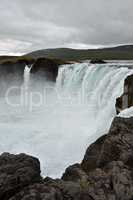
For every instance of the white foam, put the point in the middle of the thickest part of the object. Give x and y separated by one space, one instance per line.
59 132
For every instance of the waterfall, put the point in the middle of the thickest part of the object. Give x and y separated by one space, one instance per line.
26 77
80 108
98 87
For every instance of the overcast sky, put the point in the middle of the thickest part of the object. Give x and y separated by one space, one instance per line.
27 25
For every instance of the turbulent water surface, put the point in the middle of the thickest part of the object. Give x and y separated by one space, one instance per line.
57 122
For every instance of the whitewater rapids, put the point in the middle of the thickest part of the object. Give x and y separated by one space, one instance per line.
79 109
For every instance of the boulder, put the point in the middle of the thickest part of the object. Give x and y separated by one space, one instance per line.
126 99
118 145
16 172
92 154
74 173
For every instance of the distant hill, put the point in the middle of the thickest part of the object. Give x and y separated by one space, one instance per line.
124 52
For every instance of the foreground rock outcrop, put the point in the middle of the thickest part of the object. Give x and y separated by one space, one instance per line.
16 172
126 99
106 172
117 145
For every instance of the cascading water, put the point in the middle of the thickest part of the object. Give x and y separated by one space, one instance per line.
26 77
78 110
98 86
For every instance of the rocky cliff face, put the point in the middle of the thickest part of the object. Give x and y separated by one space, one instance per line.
126 100
11 74
10 68
106 172
45 68
12 71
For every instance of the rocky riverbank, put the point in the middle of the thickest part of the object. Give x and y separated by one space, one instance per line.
126 99
104 174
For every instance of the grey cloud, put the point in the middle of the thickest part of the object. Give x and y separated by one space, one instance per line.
55 23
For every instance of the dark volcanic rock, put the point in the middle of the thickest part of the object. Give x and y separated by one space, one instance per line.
126 99
106 172
113 182
118 144
46 68
74 173
112 177
38 192
12 68
69 189
92 154
17 171
12 71
97 61
121 180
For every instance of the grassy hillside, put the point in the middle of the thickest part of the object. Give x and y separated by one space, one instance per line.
15 59
116 53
